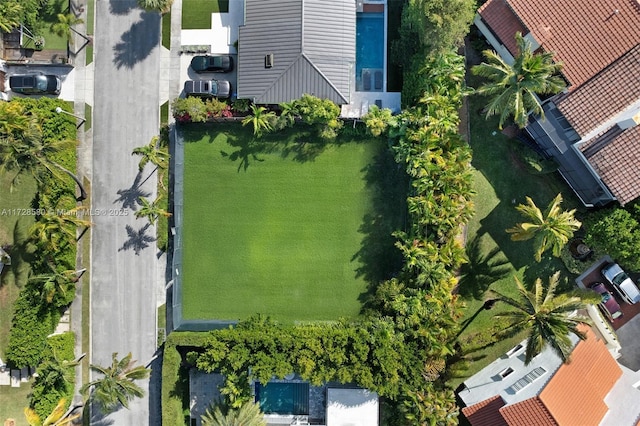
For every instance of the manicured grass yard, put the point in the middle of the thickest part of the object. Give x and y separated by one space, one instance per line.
50 16
275 227
196 14
13 401
501 182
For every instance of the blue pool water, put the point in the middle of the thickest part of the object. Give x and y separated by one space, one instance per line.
283 398
369 42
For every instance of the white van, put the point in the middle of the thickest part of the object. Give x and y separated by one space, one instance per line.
613 273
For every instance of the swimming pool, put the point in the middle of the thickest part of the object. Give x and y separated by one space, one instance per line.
369 49
283 398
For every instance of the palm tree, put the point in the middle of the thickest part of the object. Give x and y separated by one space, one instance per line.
151 153
513 88
246 415
162 6
65 24
548 318
24 150
56 285
116 386
151 210
51 229
58 416
260 120
550 230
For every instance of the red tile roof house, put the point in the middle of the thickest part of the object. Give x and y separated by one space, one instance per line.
593 389
591 129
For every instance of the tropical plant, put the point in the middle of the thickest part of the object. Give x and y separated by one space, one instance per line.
377 120
548 317
550 230
189 109
65 24
260 119
617 232
58 417
151 210
513 89
57 286
246 415
53 229
162 6
116 386
152 153
10 13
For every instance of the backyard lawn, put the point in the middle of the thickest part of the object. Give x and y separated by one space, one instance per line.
196 14
285 227
49 16
13 401
501 182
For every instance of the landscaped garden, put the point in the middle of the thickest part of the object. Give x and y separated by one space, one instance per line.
278 226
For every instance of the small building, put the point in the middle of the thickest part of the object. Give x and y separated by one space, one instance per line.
592 389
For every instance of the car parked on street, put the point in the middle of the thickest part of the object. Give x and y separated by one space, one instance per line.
613 273
222 63
208 88
608 305
35 84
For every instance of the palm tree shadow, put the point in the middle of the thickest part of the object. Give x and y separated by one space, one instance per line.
120 7
482 270
130 197
21 256
246 153
138 240
137 43
98 418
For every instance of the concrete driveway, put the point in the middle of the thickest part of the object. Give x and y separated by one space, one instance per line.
629 338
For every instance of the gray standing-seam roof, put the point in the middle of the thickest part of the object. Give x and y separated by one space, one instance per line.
313 47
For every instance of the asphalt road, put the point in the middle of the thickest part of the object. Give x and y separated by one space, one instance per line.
123 251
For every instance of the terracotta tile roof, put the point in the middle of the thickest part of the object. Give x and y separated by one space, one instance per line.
575 395
503 22
486 413
585 36
617 163
530 412
602 97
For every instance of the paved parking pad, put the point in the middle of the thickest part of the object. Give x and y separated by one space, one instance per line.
66 74
629 338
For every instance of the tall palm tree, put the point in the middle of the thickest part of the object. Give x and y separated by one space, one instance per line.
246 415
24 150
116 386
53 229
65 24
152 153
513 88
549 318
550 230
151 210
58 417
260 120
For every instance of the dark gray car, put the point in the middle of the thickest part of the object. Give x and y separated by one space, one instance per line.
35 84
208 88
212 63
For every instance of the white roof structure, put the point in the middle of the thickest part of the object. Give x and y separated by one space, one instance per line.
351 407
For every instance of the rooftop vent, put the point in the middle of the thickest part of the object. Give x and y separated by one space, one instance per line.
529 378
268 60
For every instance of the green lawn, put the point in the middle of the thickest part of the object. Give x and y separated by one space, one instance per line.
166 30
13 401
14 224
196 14
49 16
501 182
284 227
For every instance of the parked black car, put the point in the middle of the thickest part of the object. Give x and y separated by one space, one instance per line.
212 63
35 84
208 88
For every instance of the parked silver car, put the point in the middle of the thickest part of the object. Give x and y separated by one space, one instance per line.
621 282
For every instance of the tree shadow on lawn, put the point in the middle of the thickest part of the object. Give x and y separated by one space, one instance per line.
481 270
378 256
